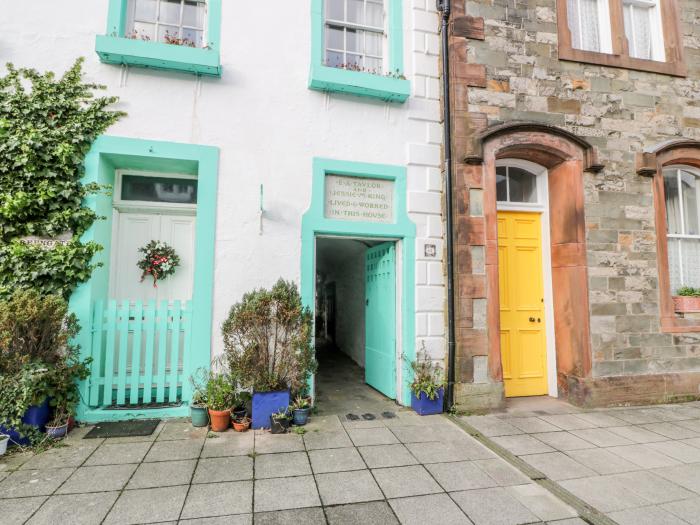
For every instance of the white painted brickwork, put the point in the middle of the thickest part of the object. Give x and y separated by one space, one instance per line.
268 126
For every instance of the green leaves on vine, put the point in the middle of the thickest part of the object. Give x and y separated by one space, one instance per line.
47 126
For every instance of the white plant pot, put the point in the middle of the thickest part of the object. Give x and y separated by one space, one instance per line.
4 440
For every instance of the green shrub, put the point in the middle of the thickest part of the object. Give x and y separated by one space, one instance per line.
427 376
688 291
268 340
221 394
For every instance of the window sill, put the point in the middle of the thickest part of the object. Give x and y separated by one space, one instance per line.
324 78
676 69
117 50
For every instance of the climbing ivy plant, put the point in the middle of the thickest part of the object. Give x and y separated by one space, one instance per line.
47 125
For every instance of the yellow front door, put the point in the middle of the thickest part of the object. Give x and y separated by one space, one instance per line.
521 293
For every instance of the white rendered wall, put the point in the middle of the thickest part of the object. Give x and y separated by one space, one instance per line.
268 126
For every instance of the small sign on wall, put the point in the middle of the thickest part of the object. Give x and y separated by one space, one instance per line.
359 199
47 242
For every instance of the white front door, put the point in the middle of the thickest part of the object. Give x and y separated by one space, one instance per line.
133 230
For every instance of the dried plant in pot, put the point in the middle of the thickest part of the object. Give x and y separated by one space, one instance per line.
427 386
268 346
198 404
241 424
280 422
57 428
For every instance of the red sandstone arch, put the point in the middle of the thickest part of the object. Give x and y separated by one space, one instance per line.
566 157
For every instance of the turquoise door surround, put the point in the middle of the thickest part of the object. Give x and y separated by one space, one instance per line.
115 48
380 318
106 156
315 224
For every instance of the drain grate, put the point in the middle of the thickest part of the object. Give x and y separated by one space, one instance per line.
368 416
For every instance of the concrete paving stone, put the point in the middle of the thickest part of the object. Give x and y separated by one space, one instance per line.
463 475
435 508
174 450
640 416
308 516
438 452
646 516
690 424
531 425
684 411
371 513
78 433
176 429
338 488
502 473
73 455
602 461
637 434
644 456
17 511
378 456
333 439
541 502
286 493
25 483
119 453
214 470
222 499
671 430
336 460
103 478
653 488
568 521
677 450
417 434
491 426
372 436
687 509
601 437
375 423
494 506
687 476
147 506
76 509
694 442
563 440
523 444
600 419
282 465
558 466
324 424
237 519
162 474
568 422
237 444
273 443
401 482
604 493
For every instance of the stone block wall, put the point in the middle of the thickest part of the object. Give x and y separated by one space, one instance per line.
511 72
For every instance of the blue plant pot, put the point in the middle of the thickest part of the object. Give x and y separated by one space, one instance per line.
35 416
425 406
267 403
301 416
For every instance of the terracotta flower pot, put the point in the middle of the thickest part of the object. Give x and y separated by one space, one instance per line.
684 303
220 420
241 425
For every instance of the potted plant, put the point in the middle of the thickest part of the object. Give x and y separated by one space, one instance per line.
280 421
4 440
301 409
58 427
198 404
427 387
241 424
220 399
268 345
687 300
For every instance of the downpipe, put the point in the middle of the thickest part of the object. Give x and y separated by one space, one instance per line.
443 7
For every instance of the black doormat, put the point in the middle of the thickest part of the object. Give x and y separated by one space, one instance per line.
118 429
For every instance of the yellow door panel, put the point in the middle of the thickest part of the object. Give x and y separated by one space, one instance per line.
523 341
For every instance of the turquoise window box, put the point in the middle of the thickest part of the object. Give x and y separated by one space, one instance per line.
324 78
118 50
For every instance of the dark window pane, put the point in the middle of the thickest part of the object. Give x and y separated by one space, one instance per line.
690 203
673 204
523 185
501 184
159 189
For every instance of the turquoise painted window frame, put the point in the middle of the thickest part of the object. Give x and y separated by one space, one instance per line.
114 48
333 79
314 224
108 154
